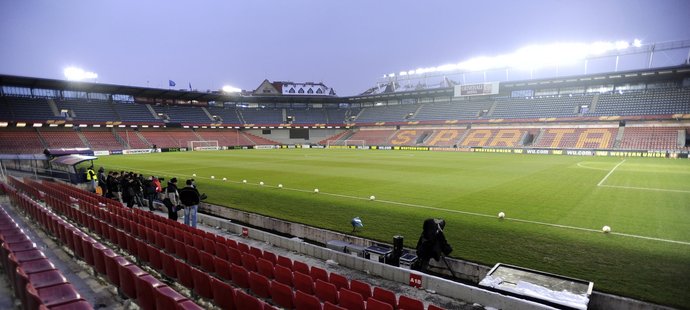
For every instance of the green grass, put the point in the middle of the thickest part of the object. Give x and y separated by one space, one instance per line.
549 189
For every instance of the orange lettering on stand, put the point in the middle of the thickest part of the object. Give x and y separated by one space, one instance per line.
478 137
559 135
506 137
404 137
445 135
594 138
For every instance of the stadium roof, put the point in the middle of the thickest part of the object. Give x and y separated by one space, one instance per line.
158 93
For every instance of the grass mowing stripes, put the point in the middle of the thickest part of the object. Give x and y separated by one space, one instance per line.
542 188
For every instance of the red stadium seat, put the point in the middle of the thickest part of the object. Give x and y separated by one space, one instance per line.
434 307
318 274
351 300
210 246
260 285
300 267
154 257
384 295
222 268
326 291
221 250
374 304
256 252
240 276
339 281
202 283
304 301
243 247
330 306
169 244
167 298
142 251
146 286
283 275
271 257
303 282
184 273
169 267
74 305
188 305
409 303
206 261
180 250
282 295
193 255
128 275
235 256
112 265
223 294
51 296
265 268
284 261
249 261
362 288
245 301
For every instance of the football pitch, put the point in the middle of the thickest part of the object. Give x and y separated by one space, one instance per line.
555 206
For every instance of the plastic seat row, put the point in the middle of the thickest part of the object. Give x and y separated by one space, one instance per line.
132 281
157 250
34 279
245 266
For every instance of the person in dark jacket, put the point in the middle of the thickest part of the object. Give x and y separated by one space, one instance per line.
102 181
114 186
190 198
172 199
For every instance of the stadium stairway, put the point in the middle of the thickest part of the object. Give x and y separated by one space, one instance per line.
205 263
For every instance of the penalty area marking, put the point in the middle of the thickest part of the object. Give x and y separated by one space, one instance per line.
580 164
411 205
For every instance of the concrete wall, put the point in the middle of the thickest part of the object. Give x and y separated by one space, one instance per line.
464 270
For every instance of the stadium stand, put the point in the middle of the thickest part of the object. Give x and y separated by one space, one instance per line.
585 138
539 107
26 109
308 116
373 137
183 114
135 113
654 138
652 102
224 137
102 140
227 115
86 110
262 116
128 231
392 113
169 138
132 139
20 142
454 110
61 139
505 137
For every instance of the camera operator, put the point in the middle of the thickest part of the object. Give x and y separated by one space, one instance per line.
432 243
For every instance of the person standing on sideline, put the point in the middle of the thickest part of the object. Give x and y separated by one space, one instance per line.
92 177
190 198
101 181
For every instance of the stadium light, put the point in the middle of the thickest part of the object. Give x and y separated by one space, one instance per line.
78 74
229 89
531 57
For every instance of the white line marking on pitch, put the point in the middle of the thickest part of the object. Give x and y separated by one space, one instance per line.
588 167
610 172
648 189
455 211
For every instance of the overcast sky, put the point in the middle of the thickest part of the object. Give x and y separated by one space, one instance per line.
347 45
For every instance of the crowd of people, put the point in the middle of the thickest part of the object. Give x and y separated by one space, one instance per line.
132 189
